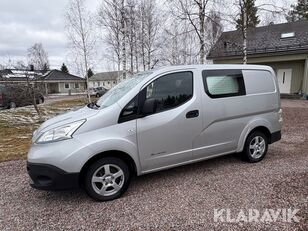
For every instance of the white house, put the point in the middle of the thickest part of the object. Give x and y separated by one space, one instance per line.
105 79
53 81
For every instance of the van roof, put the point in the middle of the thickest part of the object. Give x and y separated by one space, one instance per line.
213 66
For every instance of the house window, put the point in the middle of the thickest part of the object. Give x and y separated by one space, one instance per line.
66 85
103 83
98 84
108 82
225 45
287 35
113 82
223 83
76 85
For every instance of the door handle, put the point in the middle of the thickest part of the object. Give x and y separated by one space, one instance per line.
284 75
192 114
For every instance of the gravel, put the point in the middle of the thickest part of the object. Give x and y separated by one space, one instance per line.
182 198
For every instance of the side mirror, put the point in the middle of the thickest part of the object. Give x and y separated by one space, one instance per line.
149 106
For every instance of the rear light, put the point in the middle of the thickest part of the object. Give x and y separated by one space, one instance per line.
280 115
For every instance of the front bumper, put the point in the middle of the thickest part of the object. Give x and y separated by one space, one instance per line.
49 177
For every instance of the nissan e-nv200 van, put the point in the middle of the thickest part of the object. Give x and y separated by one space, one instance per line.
155 120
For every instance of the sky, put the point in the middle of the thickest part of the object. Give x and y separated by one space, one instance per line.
25 22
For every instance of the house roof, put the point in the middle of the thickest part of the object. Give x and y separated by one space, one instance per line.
20 74
5 72
266 40
56 75
106 76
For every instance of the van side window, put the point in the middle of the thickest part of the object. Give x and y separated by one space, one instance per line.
171 90
130 111
223 83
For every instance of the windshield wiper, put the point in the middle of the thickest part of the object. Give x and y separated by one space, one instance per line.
95 103
92 105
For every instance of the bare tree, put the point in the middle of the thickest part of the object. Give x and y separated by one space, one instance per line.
180 45
195 12
150 23
123 33
81 33
31 91
214 28
38 57
19 64
131 28
111 18
247 17
243 16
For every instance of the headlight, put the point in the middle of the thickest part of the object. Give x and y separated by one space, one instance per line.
60 133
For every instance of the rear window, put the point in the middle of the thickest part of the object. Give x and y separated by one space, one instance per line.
223 83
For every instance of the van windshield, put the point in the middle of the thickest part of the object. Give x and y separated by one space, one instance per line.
116 93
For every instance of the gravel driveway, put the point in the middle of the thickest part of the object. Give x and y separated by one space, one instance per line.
183 198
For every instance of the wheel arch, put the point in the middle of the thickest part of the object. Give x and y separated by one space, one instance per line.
112 153
262 125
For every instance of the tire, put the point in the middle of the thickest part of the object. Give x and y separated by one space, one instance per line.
97 95
255 148
12 105
107 179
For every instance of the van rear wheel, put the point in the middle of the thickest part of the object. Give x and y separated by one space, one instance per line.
256 146
107 179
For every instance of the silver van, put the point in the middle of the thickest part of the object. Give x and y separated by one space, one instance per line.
155 120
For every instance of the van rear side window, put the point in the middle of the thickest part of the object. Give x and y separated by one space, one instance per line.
223 83
259 81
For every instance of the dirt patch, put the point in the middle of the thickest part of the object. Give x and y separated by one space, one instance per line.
17 126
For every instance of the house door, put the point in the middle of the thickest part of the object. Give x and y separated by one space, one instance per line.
284 80
53 88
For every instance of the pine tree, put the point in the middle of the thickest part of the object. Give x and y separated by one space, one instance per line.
90 73
45 67
251 15
31 67
64 68
298 12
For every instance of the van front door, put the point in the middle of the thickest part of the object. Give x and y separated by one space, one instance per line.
165 136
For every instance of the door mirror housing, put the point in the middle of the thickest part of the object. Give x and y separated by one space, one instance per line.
149 106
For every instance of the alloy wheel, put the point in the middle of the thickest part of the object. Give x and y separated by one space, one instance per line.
257 147
108 180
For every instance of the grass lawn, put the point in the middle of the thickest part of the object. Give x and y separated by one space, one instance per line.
17 125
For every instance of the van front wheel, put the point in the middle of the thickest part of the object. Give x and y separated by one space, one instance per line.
107 179
255 148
